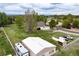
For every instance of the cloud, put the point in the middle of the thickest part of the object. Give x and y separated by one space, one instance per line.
41 8
14 7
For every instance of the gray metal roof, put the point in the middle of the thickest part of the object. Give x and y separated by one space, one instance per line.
40 24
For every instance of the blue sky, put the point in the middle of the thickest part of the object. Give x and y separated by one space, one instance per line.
41 8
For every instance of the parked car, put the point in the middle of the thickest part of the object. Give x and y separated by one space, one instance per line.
68 37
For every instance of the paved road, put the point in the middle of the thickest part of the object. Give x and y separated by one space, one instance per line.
8 39
66 32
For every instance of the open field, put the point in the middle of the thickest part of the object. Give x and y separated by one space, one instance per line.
5 47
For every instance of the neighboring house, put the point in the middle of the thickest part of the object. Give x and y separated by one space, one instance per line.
48 20
59 25
42 26
60 40
36 46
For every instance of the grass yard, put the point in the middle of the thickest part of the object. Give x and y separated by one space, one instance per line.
16 35
71 51
5 47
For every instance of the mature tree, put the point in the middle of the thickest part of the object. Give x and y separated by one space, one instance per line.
41 18
70 17
19 21
76 23
3 19
52 23
11 19
30 20
66 23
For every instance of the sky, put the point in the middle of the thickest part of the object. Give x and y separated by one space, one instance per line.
41 8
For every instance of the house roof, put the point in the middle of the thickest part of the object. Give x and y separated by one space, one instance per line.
40 24
36 44
21 48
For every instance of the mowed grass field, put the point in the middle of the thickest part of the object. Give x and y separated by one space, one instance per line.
5 48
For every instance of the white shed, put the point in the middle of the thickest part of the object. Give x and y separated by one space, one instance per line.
39 47
45 28
61 40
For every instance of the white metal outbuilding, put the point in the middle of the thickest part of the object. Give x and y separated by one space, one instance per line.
45 28
38 46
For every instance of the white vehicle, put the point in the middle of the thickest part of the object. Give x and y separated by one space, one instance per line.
21 50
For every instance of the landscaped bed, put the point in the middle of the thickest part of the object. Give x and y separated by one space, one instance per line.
5 48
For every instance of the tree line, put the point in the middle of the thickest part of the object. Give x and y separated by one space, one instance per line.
70 21
5 20
29 20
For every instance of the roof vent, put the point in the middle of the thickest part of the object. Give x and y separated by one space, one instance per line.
20 46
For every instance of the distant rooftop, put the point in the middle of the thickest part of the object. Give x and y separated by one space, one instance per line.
40 24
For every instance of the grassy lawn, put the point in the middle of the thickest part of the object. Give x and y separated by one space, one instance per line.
71 51
16 35
5 47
